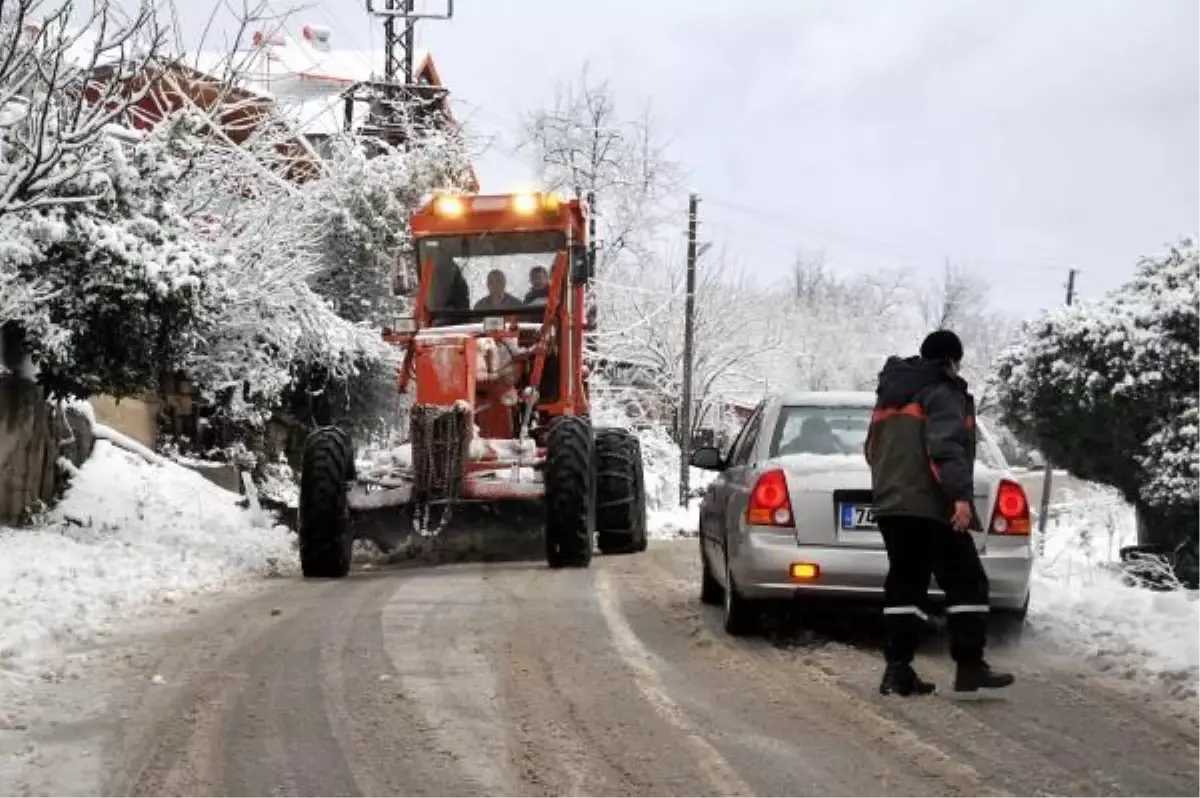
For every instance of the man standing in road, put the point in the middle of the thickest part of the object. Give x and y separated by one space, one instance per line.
921 449
497 297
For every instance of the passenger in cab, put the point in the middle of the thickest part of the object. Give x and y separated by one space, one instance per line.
539 285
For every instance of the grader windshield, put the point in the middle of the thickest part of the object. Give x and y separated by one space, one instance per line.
480 275
496 255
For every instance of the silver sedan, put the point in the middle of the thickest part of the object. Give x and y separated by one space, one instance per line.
789 514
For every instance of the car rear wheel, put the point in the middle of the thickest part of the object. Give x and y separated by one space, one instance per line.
711 592
741 615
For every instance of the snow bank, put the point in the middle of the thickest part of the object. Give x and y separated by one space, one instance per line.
660 462
1080 600
127 534
674 522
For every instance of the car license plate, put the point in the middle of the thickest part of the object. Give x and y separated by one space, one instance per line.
858 517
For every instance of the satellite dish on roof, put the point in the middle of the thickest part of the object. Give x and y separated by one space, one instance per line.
276 39
318 36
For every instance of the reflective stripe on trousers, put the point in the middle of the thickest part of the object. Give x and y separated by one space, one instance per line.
906 610
959 608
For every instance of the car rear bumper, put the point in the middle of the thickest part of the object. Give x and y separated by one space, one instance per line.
761 567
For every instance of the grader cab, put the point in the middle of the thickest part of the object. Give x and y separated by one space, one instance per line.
493 359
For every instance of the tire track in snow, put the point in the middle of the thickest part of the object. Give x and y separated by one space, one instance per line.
641 662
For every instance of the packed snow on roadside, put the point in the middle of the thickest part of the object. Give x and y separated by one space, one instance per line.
127 535
666 518
1081 600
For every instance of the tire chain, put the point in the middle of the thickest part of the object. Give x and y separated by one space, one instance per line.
441 437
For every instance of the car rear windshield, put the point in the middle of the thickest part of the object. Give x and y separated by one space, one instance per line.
843 430
820 430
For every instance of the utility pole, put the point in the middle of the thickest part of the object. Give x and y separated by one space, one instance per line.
685 409
1047 474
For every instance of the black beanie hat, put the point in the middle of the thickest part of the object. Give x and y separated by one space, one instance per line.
942 345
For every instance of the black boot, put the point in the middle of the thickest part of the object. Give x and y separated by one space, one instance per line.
902 680
975 676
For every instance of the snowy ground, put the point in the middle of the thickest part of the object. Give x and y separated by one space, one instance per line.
131 535
1082 603
128 535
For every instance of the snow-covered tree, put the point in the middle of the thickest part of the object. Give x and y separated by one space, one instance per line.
958 299
67 72
1109 390
308 271
841 328
267 324
583 144
734 343
358 216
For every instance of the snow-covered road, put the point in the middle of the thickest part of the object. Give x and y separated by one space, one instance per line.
509 678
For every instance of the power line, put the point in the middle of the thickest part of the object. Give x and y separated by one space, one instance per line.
786 252
765 217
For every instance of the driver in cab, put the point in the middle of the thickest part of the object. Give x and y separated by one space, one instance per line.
497 297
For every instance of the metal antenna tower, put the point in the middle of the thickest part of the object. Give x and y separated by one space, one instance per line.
400 96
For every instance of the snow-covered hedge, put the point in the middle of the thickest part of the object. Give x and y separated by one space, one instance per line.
1108 388
128 278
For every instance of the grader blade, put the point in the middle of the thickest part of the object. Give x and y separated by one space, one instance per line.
475 532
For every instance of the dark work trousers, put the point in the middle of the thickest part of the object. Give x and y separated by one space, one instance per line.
918 548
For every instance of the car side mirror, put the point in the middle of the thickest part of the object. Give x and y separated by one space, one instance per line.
708 458
582 268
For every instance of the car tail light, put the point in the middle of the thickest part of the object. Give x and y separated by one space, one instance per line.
1011 516
769 503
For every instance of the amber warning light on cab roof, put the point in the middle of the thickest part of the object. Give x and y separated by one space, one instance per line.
456 206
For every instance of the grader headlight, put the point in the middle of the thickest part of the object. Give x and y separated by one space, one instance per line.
450 207
525 204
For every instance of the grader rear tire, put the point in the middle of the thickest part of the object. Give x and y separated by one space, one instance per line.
570 483
620 492
326 538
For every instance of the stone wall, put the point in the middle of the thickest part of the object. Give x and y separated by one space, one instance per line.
33 436
28 448
137 418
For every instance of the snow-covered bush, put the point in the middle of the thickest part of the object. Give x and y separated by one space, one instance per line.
1169 459
54 145
124 275
1109 390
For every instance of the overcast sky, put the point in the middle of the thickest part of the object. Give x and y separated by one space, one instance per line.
1017 137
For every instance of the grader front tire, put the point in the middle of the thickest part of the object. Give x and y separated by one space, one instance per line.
326 538
570 483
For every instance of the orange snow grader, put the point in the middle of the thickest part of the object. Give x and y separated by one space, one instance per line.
494 362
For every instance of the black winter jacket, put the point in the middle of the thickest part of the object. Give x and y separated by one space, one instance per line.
921 443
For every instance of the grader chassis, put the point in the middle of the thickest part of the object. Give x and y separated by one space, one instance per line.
500 421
